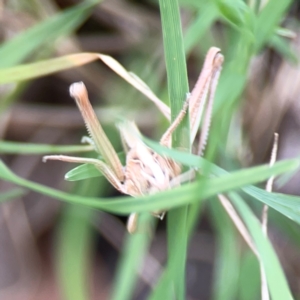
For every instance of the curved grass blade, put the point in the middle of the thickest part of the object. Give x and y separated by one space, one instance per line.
46 67
285 204
165 200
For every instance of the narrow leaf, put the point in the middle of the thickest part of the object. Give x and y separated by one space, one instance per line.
183 195
276 280
7 147
61 24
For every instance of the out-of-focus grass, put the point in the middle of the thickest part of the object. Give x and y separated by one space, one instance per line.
177 90
74 246
242 31
47 31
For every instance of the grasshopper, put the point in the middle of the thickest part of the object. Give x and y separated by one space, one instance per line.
147 172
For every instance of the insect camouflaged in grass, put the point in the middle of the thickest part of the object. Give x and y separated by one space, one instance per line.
147 172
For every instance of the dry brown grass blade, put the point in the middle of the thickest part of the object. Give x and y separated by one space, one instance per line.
238 222
264 285
269 185
46 67
136 82
248 239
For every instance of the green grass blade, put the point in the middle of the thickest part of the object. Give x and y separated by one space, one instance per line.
73 253
285 204
200 25
86 171
178 89
164 288
187 159
249 279
45 67
269 19
235 12
284 48
61 24
7 147
226 270
75 242
165 200
131 262
176 67
277 283
81 172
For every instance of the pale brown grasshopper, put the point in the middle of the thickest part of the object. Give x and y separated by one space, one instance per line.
147 172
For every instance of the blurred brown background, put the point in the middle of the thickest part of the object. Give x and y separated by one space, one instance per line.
30 227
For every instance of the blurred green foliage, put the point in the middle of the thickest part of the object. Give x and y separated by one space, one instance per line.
245 29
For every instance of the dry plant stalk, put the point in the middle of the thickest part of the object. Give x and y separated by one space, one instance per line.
264 222
269 185
248 239
242 228
238 222
147 172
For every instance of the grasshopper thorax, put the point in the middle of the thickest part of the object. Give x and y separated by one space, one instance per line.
146 172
